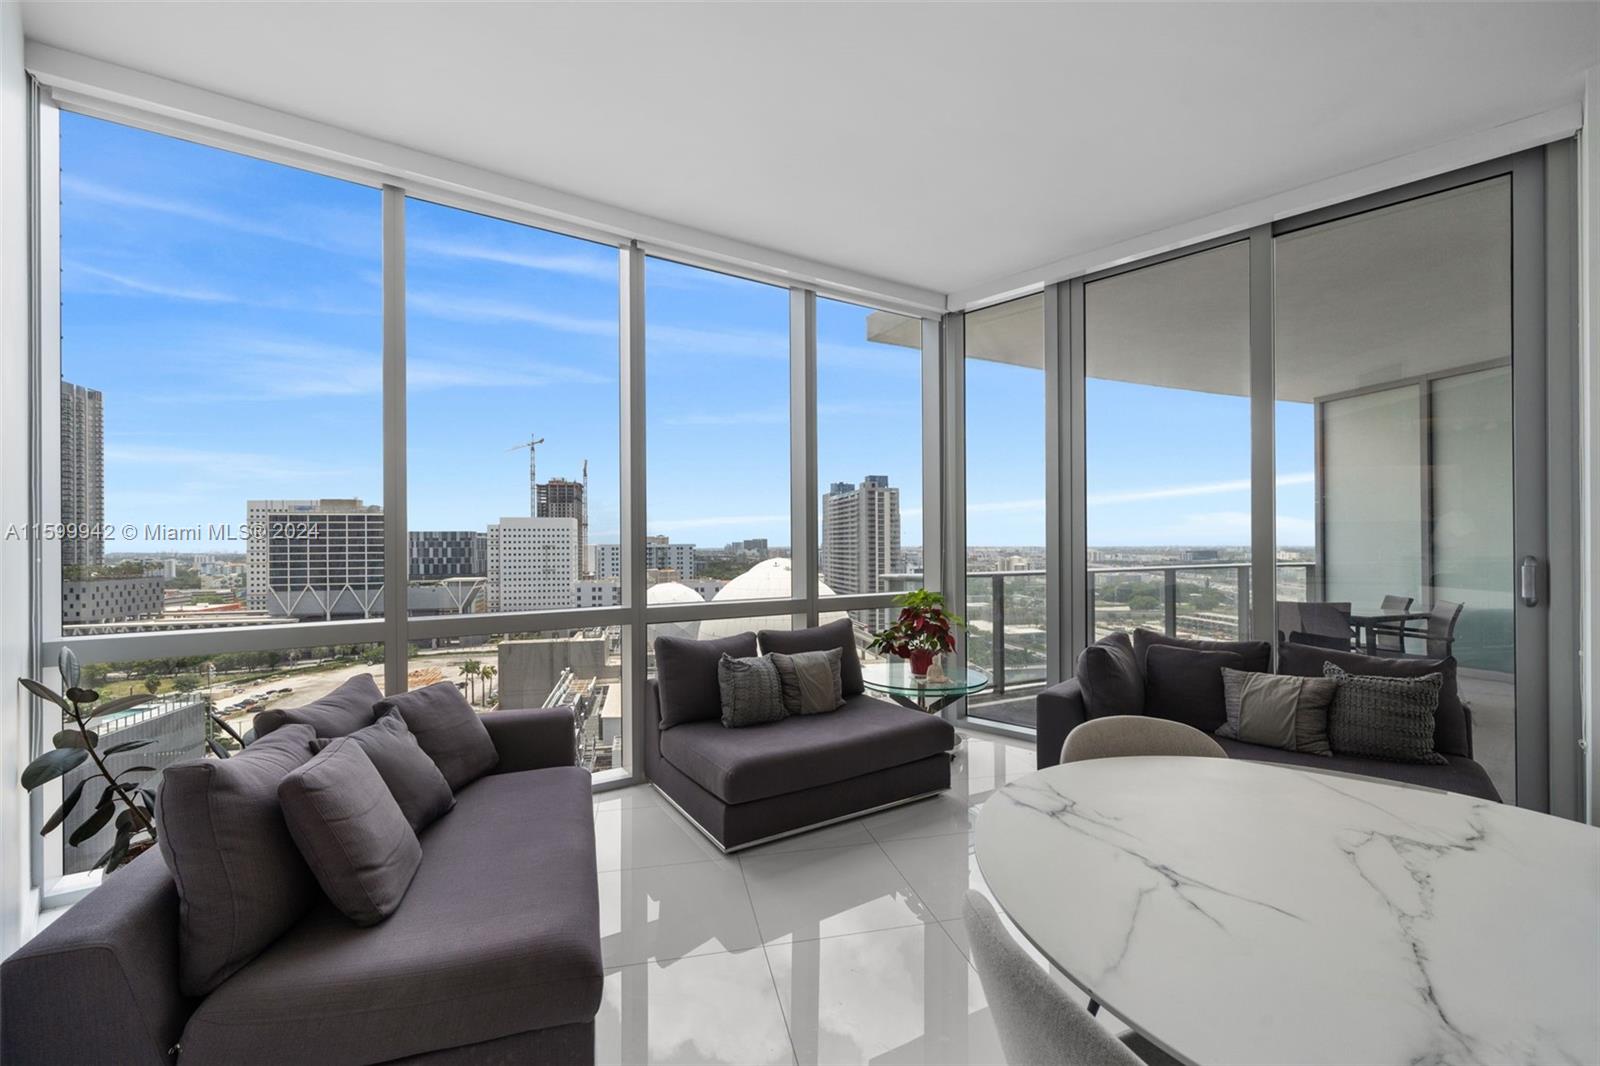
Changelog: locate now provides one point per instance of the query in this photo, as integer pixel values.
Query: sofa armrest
(1466, 711)
(533, 739)
(100, 984)
(1059, 709)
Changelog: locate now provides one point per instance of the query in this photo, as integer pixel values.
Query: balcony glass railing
(1206, 601)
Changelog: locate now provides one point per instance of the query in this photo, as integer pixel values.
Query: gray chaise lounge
(745, 786)
(493, 956)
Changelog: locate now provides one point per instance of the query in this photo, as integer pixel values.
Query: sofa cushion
(1257, 654)
(840, 634)
(752, 692)
(1109, 677)
(499, 934)
(241, 880)
(412, 778)
(448, 730)
(686, 675)
(804, 751)
(339, 713)
(1450, 736)
(352, 833)
(1384, 717)
(812, 682)
(1278, 710)
(1457, 774)
(1185, 685)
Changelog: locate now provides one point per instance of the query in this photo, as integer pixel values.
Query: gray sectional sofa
(745, 786)
(492, 957)
(1064, 706)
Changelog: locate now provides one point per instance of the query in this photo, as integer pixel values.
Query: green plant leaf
(128, 821)
(65, 809)
(45, 693)
(126, 745)
(82, 695)
(91, 825)
(136, 769)
(115, 853)
(67, 663)
(73, 738)
(107, 796)
(121, 703)
(51, 765)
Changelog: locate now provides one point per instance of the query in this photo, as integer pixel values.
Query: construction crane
(532, 445)
(583, 525)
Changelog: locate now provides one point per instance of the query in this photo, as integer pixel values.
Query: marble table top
(1240, 912)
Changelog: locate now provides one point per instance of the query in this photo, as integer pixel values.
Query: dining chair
(1324, 624)
(1037, 1020)
(1437, 632)
(1391, 639)
(1120, 735)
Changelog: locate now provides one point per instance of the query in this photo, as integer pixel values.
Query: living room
(531, 537)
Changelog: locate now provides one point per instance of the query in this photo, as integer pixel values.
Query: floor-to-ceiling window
(1167, 446)
(1006, 588)
(1393, 367)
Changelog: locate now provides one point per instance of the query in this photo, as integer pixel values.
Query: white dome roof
(673, 592)
(768, 580)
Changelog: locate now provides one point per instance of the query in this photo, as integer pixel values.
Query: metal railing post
(998, 591)
(1169, 599)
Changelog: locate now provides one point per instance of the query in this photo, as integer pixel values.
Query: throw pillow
(811, 681)
(840, 634)
(448, 730)
(686, 675)
(241, 881)
(752, 693)
(1185, 685)
(1451, 735)
(414, 779)
(351, 831)
(1257, 654)
(338, 714)
(1384, 717)
(1281, 712)
(1109, 677)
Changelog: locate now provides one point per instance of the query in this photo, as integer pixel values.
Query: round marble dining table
(1241, 912)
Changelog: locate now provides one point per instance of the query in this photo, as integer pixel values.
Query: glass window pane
(221, 409)
(512, 415)
(869, 452)
(717, 381)
(1167, 430)
(200, 707)
(578, 668)
(1393, 340)
(1006, 586)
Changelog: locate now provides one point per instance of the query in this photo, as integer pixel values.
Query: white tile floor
(844, 945)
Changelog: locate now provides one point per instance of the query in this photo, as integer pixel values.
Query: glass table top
(894, 677)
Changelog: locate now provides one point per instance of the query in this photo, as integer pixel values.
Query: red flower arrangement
(923, 630)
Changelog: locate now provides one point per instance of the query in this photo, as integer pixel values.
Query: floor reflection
(839, 946)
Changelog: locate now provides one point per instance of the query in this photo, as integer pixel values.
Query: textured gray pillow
(1281, 712)
(351, 831)
(811, 680)
(241, 881)
(448, 730)
(1384, 717)
(839, 634)
(414, 780)
(338, 714)
(752, 693)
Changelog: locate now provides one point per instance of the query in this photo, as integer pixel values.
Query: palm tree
(470, 669)
(487, 673)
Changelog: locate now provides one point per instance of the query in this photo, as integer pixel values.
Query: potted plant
(122, 800)
(923, 631)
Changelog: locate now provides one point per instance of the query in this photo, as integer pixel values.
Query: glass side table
(928, 695)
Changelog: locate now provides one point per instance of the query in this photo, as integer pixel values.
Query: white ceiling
(936, 145)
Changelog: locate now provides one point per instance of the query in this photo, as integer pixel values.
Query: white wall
(18, 902)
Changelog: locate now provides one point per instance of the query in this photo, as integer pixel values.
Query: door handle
(1529, 581)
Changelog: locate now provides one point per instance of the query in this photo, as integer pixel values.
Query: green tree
(152, 685)
(186, 682)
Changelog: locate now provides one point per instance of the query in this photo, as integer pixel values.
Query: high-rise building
(83, 475)
(314, 558)
(659, 554)
(533, 564)
(560, 498)
(439, 554)
(860, 536)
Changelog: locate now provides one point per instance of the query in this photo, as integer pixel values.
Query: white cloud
(1204, 488)
(476, 309)
(130, 283)
(686, 340)
(596, 266)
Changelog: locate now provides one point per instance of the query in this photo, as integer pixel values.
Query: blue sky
(230, 311)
